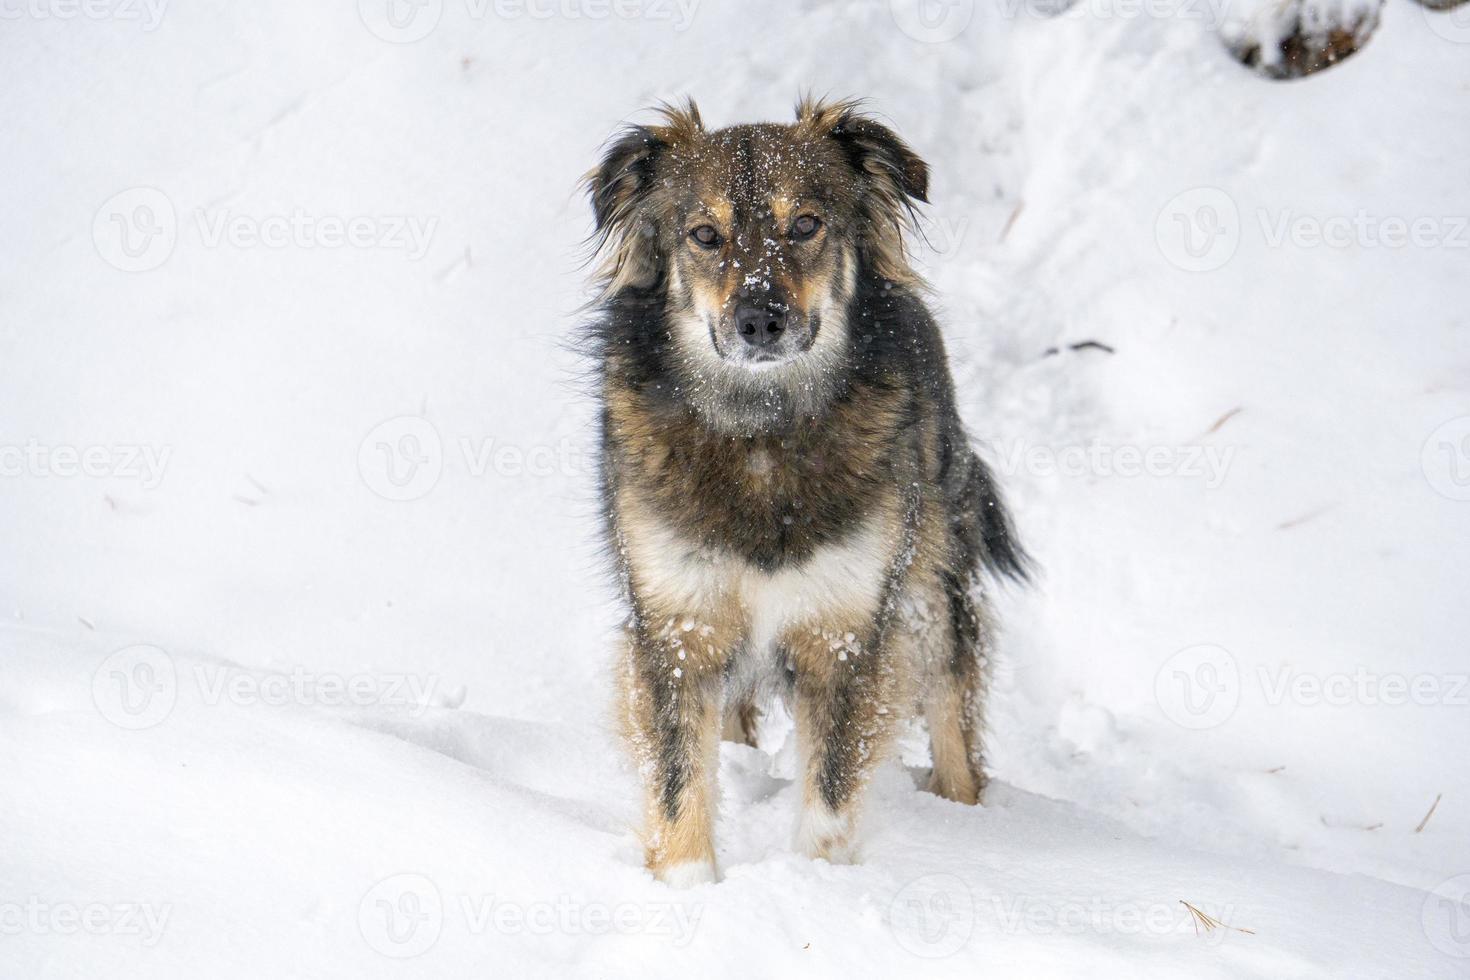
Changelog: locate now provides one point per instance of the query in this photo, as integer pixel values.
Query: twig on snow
(1209, 922)
(1432, 807)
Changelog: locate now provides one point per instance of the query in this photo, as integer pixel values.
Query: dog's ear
(626, 170)
(878, 150)
(871, 147)
(894, 179)
(619, 188)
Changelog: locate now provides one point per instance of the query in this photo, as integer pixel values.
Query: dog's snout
(761, 326)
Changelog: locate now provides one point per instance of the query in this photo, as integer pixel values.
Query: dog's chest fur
(774, 500)
(761, 532)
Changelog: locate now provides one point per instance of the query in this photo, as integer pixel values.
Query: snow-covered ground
(305, 669)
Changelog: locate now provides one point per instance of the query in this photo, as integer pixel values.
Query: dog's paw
(827, 835)
(962, 790)
(837, 852)
(687, 874)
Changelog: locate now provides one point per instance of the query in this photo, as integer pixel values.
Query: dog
(790, 499)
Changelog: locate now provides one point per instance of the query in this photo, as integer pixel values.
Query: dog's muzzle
(760, 326)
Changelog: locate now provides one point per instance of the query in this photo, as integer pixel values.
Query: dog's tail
(990, 533)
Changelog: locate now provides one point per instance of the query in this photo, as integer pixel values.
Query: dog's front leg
(844, 716)
(674, 700)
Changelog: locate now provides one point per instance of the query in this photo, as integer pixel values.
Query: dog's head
(755, 238)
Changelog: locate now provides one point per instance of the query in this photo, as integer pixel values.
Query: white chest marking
(847, 577)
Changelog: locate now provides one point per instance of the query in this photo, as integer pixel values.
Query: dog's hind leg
(742, 719)
(954, 706)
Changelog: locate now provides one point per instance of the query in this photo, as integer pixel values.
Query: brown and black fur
(805, 518)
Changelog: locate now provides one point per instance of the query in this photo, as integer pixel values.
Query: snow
(307, 667)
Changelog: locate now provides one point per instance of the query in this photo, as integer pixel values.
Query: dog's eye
(705, 236)
(805, 227)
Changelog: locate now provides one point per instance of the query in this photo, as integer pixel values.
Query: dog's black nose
(761, 326)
